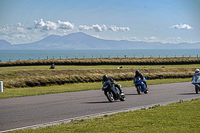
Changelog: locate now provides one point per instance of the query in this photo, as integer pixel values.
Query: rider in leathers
(196, 74)
(138, 74)
(110, 82)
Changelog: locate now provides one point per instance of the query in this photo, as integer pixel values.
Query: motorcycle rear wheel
(110, 96)
(146, 91)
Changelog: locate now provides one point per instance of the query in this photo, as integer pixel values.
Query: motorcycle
(140, 86)
(112, 91)
(196, 83)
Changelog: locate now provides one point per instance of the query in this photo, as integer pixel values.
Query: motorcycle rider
(110, 82)
(196, 74)
(138, 74)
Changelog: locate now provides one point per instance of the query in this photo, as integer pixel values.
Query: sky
(166, 21)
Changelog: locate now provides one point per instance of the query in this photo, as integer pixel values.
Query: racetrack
(26, 111)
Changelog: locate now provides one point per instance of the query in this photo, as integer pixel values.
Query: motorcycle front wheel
(138, 90)
(109, 96)
(122, 98)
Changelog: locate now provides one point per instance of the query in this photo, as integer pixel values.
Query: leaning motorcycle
(196, 83)
(112, 92)
(140, 86)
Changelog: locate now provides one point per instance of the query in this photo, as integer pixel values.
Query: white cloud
(48, 25)
(19, 25)
(65, 25)
(181, 27)
(115, 28)
(96, 27)
(151, 39)
(104, 28)
(12, 29)
(20, 33)
(39, 24)
(131, 38)
(134, 39)
(174, 40)
(85, 27)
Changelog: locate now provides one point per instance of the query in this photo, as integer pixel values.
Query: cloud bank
(48, 25)
(98, 28)
(152, 39)
(181, 27)
(115, 28)
(20, 33)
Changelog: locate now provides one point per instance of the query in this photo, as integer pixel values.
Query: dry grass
(23, 76)
(107, 61)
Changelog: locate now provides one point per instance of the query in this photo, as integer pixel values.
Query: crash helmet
(137, 72)
(197, 71)
(105, 77)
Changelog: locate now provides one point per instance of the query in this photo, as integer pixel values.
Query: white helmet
(197, 71)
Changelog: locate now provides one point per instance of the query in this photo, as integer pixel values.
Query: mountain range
(81, 40)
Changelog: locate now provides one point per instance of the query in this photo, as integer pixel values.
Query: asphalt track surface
(32, 110)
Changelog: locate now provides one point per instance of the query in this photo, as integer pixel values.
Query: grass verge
(180, 117)
(29, 76)
(30, 91)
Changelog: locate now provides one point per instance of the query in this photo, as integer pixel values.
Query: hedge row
(107, 61)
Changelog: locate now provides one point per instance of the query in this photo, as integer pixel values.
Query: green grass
(176, 117)
(30, 91)
(23, 76)
(17, 78)
(77, 67)
(180, 117)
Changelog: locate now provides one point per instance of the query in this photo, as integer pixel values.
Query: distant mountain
(81, 40)
(4, 45)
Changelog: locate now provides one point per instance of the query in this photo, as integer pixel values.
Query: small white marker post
(1, 86)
